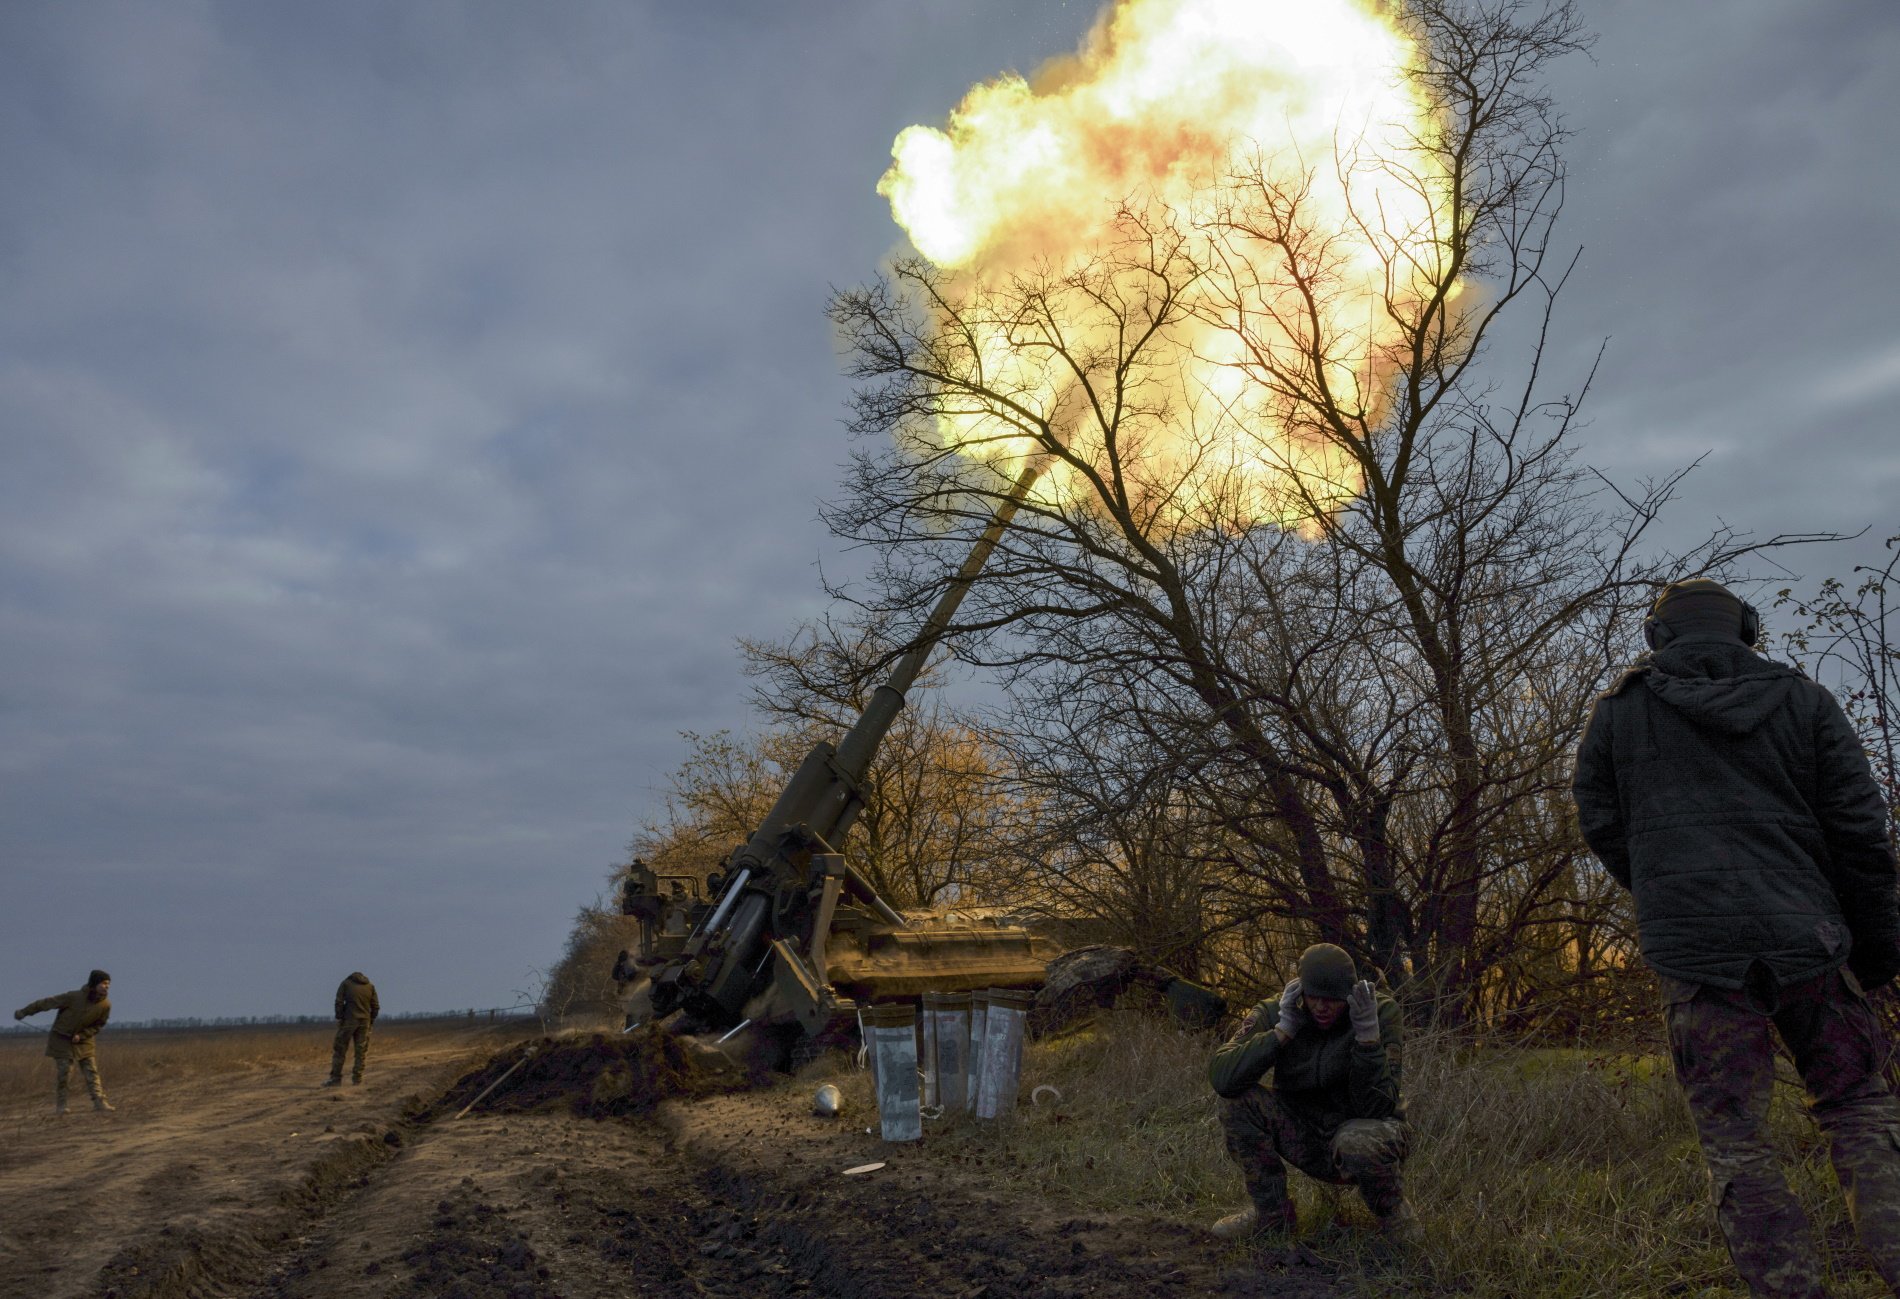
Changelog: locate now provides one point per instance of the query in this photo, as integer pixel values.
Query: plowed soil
(599, 1167)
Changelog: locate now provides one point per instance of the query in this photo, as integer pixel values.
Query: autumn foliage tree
(928, 834)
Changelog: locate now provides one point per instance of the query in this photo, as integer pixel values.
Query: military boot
(332, 1082)
(59, 1107)
(1402, 1227)
(1257, 1219)
(102, 1105)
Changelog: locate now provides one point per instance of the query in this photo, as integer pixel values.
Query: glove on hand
(1874, 963)
(1293, 1016)
(1363, 1005)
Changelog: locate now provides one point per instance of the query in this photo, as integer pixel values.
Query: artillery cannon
(791, 934)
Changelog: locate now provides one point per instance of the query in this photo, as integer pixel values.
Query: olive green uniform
(1333, 1111)
(356, 1010)
(70, 1041)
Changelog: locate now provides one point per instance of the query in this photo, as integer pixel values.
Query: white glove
(1293, 1016)
(1363, 1004)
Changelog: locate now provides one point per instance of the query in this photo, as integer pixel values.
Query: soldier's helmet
(1326, 971)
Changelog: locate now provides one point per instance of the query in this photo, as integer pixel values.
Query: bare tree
(1845, 639)
(1371, 698)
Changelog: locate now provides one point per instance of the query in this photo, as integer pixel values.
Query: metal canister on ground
(973, 1064)
(947, 1050)
(1002, 1062)
(892, 1034)
(926, 1057)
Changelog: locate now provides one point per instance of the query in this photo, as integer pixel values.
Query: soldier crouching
(1333, 1044)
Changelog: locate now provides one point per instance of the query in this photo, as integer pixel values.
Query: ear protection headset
(1657, 633)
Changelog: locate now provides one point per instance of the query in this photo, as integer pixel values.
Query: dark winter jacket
(356, 1001)
(1731, 796)
(1321, 1076)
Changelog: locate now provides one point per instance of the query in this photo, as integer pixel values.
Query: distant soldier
(82, 1013)
(356, 1009)
(1731, 796)
(1333, 1045)
(640, 898)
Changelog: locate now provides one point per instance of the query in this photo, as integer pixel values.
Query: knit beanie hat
(1699, 607)
(1326, 971)
(96, 978)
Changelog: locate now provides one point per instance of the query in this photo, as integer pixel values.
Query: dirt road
(266, 1186)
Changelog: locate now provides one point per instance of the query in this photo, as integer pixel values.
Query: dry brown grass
(1560, 1174)
(134, 1055)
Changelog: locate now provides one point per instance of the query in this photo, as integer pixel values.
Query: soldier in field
(356, 1010)
(1731, 796)
(82, 1013)
(1333, 1045)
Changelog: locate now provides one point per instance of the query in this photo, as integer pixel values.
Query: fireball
(1275, 152)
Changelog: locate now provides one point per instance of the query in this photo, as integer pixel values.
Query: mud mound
(473, 1252)
(600, 1076)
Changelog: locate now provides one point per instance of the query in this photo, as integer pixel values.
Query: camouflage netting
(599, 1076)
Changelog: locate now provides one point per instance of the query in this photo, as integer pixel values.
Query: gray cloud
(404, 408)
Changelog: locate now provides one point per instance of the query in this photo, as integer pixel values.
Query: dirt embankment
(276, 1189)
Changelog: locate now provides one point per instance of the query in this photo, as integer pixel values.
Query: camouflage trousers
(349, 1032)
(1724, 1055)
(88, 1070)
(1264, 1136)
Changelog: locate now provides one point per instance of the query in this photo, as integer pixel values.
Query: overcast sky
(405, 408)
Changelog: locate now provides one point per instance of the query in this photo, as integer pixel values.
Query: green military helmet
(1326, 971)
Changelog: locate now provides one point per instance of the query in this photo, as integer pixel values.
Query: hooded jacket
(1730, 794)
(356, 1000)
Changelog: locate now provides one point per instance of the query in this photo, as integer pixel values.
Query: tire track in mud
(857, 1240)
(711, 1198)
(552, 1206)
(197, 1262)
(630, 1213)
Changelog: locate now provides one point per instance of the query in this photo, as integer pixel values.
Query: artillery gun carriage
(787, 936)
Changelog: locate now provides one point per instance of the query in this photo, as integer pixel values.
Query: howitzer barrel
(819, 803)
(859, 746)
(823, 793)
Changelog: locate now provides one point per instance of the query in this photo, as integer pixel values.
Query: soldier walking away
(356, 1009)
(1730, 795)
(1333, 1045)
(82, 1013)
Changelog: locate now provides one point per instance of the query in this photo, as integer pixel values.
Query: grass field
(1556, 1173)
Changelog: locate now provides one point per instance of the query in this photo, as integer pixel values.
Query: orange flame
(1168, 101)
